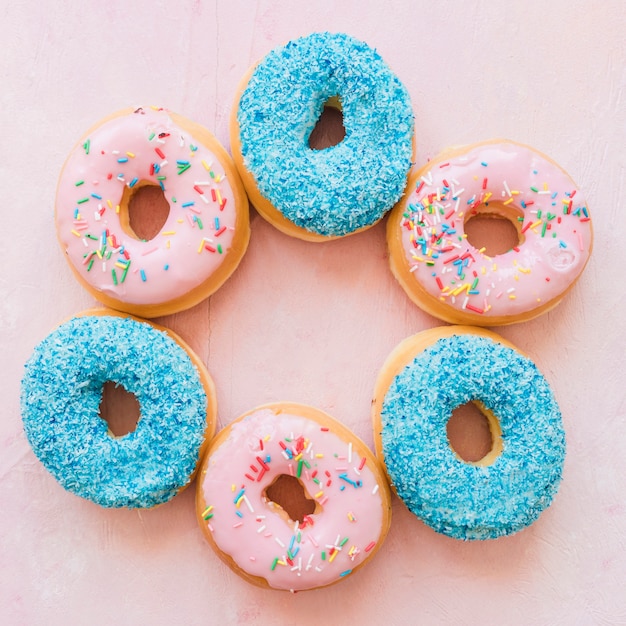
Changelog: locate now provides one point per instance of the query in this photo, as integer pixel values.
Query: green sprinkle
(86, 146)
(539, 214)
(343, 543)
(274, 563)
(219, 248)
(199, 221)
(151, 136)
(534, 189)
(323, 555)
(83, 201)
(92, 237)
(79, 183)
(90, 265)
(114, 275)
(543, 228)
(183, 168)
(299, 471)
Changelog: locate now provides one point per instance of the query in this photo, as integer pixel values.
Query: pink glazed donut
(248, 512)
(450, 278)
(203, 238)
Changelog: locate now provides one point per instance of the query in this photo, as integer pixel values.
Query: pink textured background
(313, 323)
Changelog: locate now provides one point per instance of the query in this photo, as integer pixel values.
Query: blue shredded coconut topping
(61, 395)
(336, 190)
(459, 499)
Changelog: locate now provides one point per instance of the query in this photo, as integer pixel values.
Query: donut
(423, 380)
(61, 394)
(205, 232)
(322, 194)
(341, 518)
(447, 276)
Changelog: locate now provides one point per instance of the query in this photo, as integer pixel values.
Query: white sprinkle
(279, 542)
(245, 499)
(508, 191)
(375, 489)
(308, 565)
(261, 528)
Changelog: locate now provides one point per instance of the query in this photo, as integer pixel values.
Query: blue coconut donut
(424, 379)
(322, 194)
(61, 393)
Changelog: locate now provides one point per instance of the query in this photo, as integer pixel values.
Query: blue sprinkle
(166, 267)
(188, 204)
(133, 182)
(143, 275)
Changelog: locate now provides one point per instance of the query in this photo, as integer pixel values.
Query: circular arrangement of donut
(287, 496)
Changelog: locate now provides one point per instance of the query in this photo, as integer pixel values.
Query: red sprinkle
(363, 460)
(159, 152)
(369, 546)
(199, 189)
(473, 308)
(220, 231)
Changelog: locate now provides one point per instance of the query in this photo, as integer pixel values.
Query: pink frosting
(329, 543)
(556, 230)
(144, 146)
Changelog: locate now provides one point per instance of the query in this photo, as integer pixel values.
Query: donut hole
(329, 129)
(119, 409)
(474, 434)
(144, 210)
(290, 495)
(494, 228)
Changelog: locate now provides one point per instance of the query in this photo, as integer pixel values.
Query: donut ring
(350, 510)
(204, 235)
(61, 394)
(447, 276)
(424, 379)
(319, 195)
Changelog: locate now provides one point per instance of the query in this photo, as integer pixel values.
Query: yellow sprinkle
(511, 296)
(487, 196)
(524, 270)
(508, 201)
(516, 276)
(121, 265)
(535, 224)
(75, 232)
(207, 510)
(169, 232)
(201, 246)
(545, 186)
(494, 267)
(239, 502)
(207, 167)
(281, 562)
(515, 192)
(333, 555)
(117, 208)
(110, 204)
(219, 196)
(318, 494)
(131, 155)
(319, 455)
(233, 487)
(168, 243)
(483, 270)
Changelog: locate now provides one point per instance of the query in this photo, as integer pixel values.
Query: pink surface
(313, 323)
